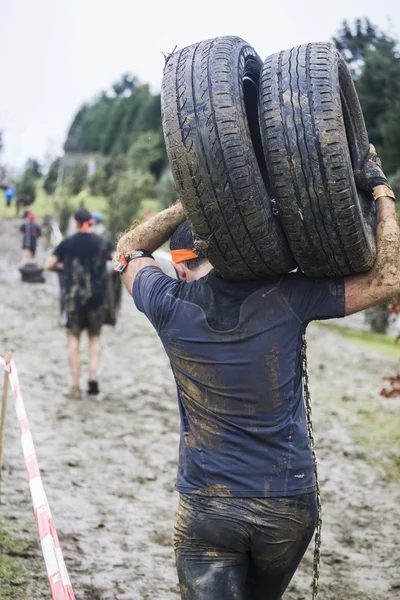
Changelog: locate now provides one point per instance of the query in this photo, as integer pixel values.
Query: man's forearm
(153, 233)
(384, 277)
(382, 283)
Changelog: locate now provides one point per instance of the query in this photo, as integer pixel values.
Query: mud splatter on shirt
(84, 278)
(234, 349)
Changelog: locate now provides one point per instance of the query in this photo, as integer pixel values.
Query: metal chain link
(307, 398)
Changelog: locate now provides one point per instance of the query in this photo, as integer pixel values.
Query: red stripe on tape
(46, 525)
(70, 593)
(42, 520)
(57, 587)
(32, 467)
(23, 426)
(59, 591)
(53, 533)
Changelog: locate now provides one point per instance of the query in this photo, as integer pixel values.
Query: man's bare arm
(382, 283)
(52, 264)
(149, 236)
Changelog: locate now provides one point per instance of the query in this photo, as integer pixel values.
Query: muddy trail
(109, 465)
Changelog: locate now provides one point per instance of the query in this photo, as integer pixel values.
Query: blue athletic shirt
(235, 351)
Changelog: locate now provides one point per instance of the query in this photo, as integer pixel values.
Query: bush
(50, 181)
(26, 186)
(394, 181)
(98, 183)
(76, 178)
(165, 190)
(126, 193)
(378, 318)
(147, 152)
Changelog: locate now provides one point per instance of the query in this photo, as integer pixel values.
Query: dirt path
(109, 466)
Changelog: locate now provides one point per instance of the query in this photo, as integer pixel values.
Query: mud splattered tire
(206, 90)
(314, 135)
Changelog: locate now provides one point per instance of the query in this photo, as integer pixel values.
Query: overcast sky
(56, 55)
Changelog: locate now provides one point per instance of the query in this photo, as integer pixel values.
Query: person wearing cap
(247, 507)
(83, 258)
(31, 232)
(97, 225)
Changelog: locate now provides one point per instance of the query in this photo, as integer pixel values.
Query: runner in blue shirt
(247, 507)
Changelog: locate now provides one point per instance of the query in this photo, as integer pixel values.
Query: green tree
(353, 41)
(76, 178)
(98, 183)
(378, 87)
(390, 131)
(27, 185)
(165, 190)
(147, 152)
(114, 120)
(33, 166)
(128, 190)
(375, 63)
(374, 60)
(50, 181)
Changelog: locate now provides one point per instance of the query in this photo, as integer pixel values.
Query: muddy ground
(108, 466)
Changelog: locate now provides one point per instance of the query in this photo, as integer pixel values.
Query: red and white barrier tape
(60, 584)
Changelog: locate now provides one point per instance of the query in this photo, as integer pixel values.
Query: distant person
(21, 201)
(31, 232)
(9, 194)
(83, 258)
(97, 225)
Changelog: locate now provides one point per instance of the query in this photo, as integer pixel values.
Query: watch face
(118, 266)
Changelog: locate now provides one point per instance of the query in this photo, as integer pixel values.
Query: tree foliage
(26, 185)
(354, 41)
(374, 59)
(123, 125)
(33, 168)
(50, 180)
(115, 119)
(127, 191)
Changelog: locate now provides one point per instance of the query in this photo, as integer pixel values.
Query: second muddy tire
(209, 111)
(314, 135)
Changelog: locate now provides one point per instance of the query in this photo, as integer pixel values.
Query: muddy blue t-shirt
(235, 351)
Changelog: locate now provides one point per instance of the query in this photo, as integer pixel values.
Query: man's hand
(371, 175)
(52, 264)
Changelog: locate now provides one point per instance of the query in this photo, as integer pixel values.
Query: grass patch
(379, 432)
(11, 569)
(374, 341)
(44, 204)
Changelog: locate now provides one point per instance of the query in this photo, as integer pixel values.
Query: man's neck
(203, 270)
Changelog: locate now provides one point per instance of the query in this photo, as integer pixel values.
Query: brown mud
(109, 466)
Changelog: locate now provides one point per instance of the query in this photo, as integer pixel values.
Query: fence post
(4, 412)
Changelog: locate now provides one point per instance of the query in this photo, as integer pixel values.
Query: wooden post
(4, 412)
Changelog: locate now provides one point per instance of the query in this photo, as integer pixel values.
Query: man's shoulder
(97, 241)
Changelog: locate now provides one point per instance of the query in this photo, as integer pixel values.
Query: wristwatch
(120, 263)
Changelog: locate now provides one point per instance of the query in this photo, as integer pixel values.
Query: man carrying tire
(31, 232)
(83, 258)
(247, 508)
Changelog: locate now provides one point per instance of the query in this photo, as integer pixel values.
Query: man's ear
(180, 271)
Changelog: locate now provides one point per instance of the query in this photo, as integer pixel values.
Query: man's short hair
(182, 239)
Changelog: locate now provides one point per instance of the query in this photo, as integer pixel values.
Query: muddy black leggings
(241, 548)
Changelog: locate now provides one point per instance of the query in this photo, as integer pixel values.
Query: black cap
(82, 215)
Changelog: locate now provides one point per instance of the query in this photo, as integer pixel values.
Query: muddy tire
(314, 135)
(31, 273)
(217, 166)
